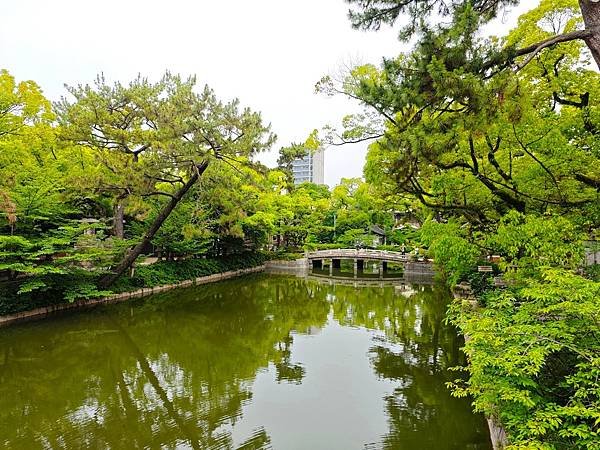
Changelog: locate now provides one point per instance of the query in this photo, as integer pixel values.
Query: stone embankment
(297, 264)
(420, 267)
(121, 297)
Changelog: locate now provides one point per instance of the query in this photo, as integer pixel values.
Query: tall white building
(310, 168)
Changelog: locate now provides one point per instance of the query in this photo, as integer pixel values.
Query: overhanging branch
(534, 49)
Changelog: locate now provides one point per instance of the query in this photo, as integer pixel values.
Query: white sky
(268, 53)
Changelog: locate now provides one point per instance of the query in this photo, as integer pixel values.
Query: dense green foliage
(83, 183)
(114, 171)
(533, 346)
(449, 247)
(469, 144)
(535, 360)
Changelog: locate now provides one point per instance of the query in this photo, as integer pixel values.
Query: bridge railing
(351, 253)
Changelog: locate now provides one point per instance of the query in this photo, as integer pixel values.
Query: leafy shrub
(23, 295)
(534, 357)
(169, 272)
(285, 255)
(529, 243)
(355, 237)
(593, 272)
(481, 283)
(452, 252)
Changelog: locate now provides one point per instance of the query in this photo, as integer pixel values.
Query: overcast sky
(267, 53)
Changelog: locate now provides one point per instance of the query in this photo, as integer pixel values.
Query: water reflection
(371, 270)
(259, 362)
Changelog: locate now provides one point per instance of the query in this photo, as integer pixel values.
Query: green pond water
(263, 361)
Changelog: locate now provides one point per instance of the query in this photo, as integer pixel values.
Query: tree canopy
(474, 143)
(422, 16)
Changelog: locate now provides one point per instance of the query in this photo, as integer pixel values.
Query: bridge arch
(364, 254)
(359, 256)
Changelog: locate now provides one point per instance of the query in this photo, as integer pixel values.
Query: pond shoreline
(47, 311)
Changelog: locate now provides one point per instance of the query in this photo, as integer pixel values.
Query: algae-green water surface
(263, 361)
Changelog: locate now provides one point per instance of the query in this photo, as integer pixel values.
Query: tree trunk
(118, 216)
(187, 429)
(133, 253)
(590, 10)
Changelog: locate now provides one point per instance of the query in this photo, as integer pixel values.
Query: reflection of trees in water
(415, 322)
(417, 351)
(175, 369)
(286, 370)
(421, 412)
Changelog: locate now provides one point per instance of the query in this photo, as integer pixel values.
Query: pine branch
(534, 49)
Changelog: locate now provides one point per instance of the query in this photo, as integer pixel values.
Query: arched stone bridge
(364, 254)
(359, 256)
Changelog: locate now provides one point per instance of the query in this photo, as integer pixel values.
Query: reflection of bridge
(359, 256)
(403, 281)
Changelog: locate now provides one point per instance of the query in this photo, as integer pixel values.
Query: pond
(263, 361)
